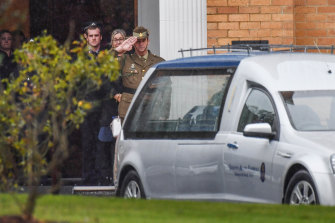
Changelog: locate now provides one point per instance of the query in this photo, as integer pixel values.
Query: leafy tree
(43, 105)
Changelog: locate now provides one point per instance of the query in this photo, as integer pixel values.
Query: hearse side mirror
(116, 126)
(261, 130)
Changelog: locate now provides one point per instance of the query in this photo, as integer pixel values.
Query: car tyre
(301, 190)
(131, 186)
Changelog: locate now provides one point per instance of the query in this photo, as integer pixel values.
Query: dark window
(56, 15)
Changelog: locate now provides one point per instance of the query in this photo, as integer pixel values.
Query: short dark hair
(19, 33)
(5, 31)
(92, 25)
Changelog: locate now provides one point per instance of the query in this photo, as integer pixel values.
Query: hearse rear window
(179, 104)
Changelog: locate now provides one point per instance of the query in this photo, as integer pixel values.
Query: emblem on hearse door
(263, 172)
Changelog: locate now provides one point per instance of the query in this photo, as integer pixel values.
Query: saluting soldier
(134, 66)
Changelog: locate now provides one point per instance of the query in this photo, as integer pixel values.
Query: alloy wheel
(303, 193)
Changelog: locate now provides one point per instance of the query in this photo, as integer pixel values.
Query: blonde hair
(116, 31)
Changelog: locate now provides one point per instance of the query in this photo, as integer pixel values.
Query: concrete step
(94, 190)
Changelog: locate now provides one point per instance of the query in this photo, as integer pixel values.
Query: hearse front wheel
(301, 190)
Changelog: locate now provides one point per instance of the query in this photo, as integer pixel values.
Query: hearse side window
(179, 104)
(257, 109)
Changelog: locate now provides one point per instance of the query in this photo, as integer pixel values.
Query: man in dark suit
(97, 140)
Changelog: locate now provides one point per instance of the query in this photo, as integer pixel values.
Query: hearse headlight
(332, 162)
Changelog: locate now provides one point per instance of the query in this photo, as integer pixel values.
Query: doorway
(55, 15)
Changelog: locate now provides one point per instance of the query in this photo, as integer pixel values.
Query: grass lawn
(86, 209)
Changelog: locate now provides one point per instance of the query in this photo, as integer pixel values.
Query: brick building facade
(301, 22)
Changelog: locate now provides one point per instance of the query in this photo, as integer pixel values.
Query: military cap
(92, 25)
(140, 32)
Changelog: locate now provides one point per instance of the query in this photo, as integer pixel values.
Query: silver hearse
(232, 127)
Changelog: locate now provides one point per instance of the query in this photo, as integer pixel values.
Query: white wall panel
(148, 16)
(174, 25)
(183, 25)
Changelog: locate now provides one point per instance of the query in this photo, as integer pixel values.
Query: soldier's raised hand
(127, 45)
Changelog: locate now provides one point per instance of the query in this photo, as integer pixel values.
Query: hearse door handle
(232, 145)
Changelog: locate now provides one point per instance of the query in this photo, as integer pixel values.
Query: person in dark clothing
(106, 142)
(97, 140)
(8, 68)
(18, 39)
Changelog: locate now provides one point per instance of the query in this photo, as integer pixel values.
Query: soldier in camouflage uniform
(134, 66)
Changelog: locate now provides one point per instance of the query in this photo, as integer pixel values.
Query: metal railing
(249, 48)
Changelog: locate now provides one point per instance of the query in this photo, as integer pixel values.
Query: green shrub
(42, 106)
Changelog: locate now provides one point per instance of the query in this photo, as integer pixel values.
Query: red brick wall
(315, 22)
(15, 15)
(279, 21)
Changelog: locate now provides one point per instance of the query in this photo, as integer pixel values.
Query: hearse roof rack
(249, 48)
